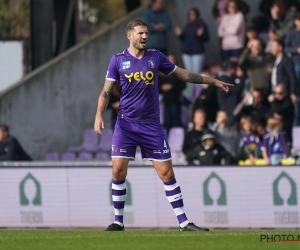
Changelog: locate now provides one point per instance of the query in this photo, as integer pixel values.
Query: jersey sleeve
(165, 65)
(112, 71)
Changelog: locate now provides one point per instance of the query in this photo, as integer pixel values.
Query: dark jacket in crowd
(172, 96)
(191, 140)
(256, 114)
(283, 25)
(266, 5)
(228, 101)
(286, 75)
(203, 155)
(157, 39)
(284, 108)
(257, 68)
(191, 43)
(209, 102)
(11, 150)
(292, 43)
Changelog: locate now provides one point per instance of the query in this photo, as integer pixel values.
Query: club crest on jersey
(151, 64)
(126, 65)
(138, 76)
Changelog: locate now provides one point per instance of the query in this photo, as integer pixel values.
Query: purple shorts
(150, 137)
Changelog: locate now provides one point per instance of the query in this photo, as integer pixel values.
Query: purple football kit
(138, 122)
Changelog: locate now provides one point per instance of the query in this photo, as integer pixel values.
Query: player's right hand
(98, 125)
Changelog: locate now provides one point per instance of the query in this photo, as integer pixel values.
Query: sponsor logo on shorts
(166, 150)
(156, 151)
(120, 150)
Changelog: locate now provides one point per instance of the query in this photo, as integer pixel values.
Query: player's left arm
(189, 76)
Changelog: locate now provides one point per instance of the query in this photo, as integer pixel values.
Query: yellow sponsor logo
(138, 76)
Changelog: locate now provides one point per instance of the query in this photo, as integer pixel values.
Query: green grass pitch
(142, 239)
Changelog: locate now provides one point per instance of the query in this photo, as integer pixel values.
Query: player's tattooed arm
(188, 76)
(105, 96)
(102, 104)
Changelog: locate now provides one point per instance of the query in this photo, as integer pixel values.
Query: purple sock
(119, 197)
(174, 196)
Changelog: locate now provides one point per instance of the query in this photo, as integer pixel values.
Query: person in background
(292, 46)
(259, 129)
(226, 136)
(209, 152)
(207, 101)
(232, 31)
(282, 20)
(171, 89)
(251, 34)
(249, 142)
(218, 9)
(283, 71)
(282, 108)
(258, 108)
(193, 37)
(233, 75)
(10, 148)
(276, 144)
(193, 136)
(272, 37)
(159, 24)
(256, 62)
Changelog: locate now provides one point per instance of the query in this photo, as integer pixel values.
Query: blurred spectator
(219, 6)
(159, 24)
(249, 142)
(171, 88)
(10, 148)
(259, 129)
(208, 101)
(232, 31)
(193, 37)
(282, 108)
(251, 34)
(218, 10)
(283, 71)
(209, 152)
(227, 136)
(257, 110)
(292, 46)
(114, 103)
(266, 5)
(272, 37)
(282, 20)
(228, 101)
(256, 62)
(276, 144)
(193, 136)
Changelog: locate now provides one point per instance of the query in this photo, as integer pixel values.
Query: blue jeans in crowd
(194, 63)
(227, 54)
(276, 158)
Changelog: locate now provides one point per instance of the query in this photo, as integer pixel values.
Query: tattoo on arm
(195, 78)
(174, 74)
(107, 89)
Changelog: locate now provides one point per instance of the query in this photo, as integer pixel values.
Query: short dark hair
(280, 42)
(297, 16)
(132, 24)
(4, 128)
(199, 110)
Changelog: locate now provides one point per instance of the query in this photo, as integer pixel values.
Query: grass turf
(142, 239)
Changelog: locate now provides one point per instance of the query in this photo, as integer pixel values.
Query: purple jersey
(251, 141)
(138, 80)
(275, 143)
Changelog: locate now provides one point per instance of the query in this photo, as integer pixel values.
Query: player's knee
(167, 175)
(119, 172)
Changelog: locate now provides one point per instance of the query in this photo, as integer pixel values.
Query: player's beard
(138, 46)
